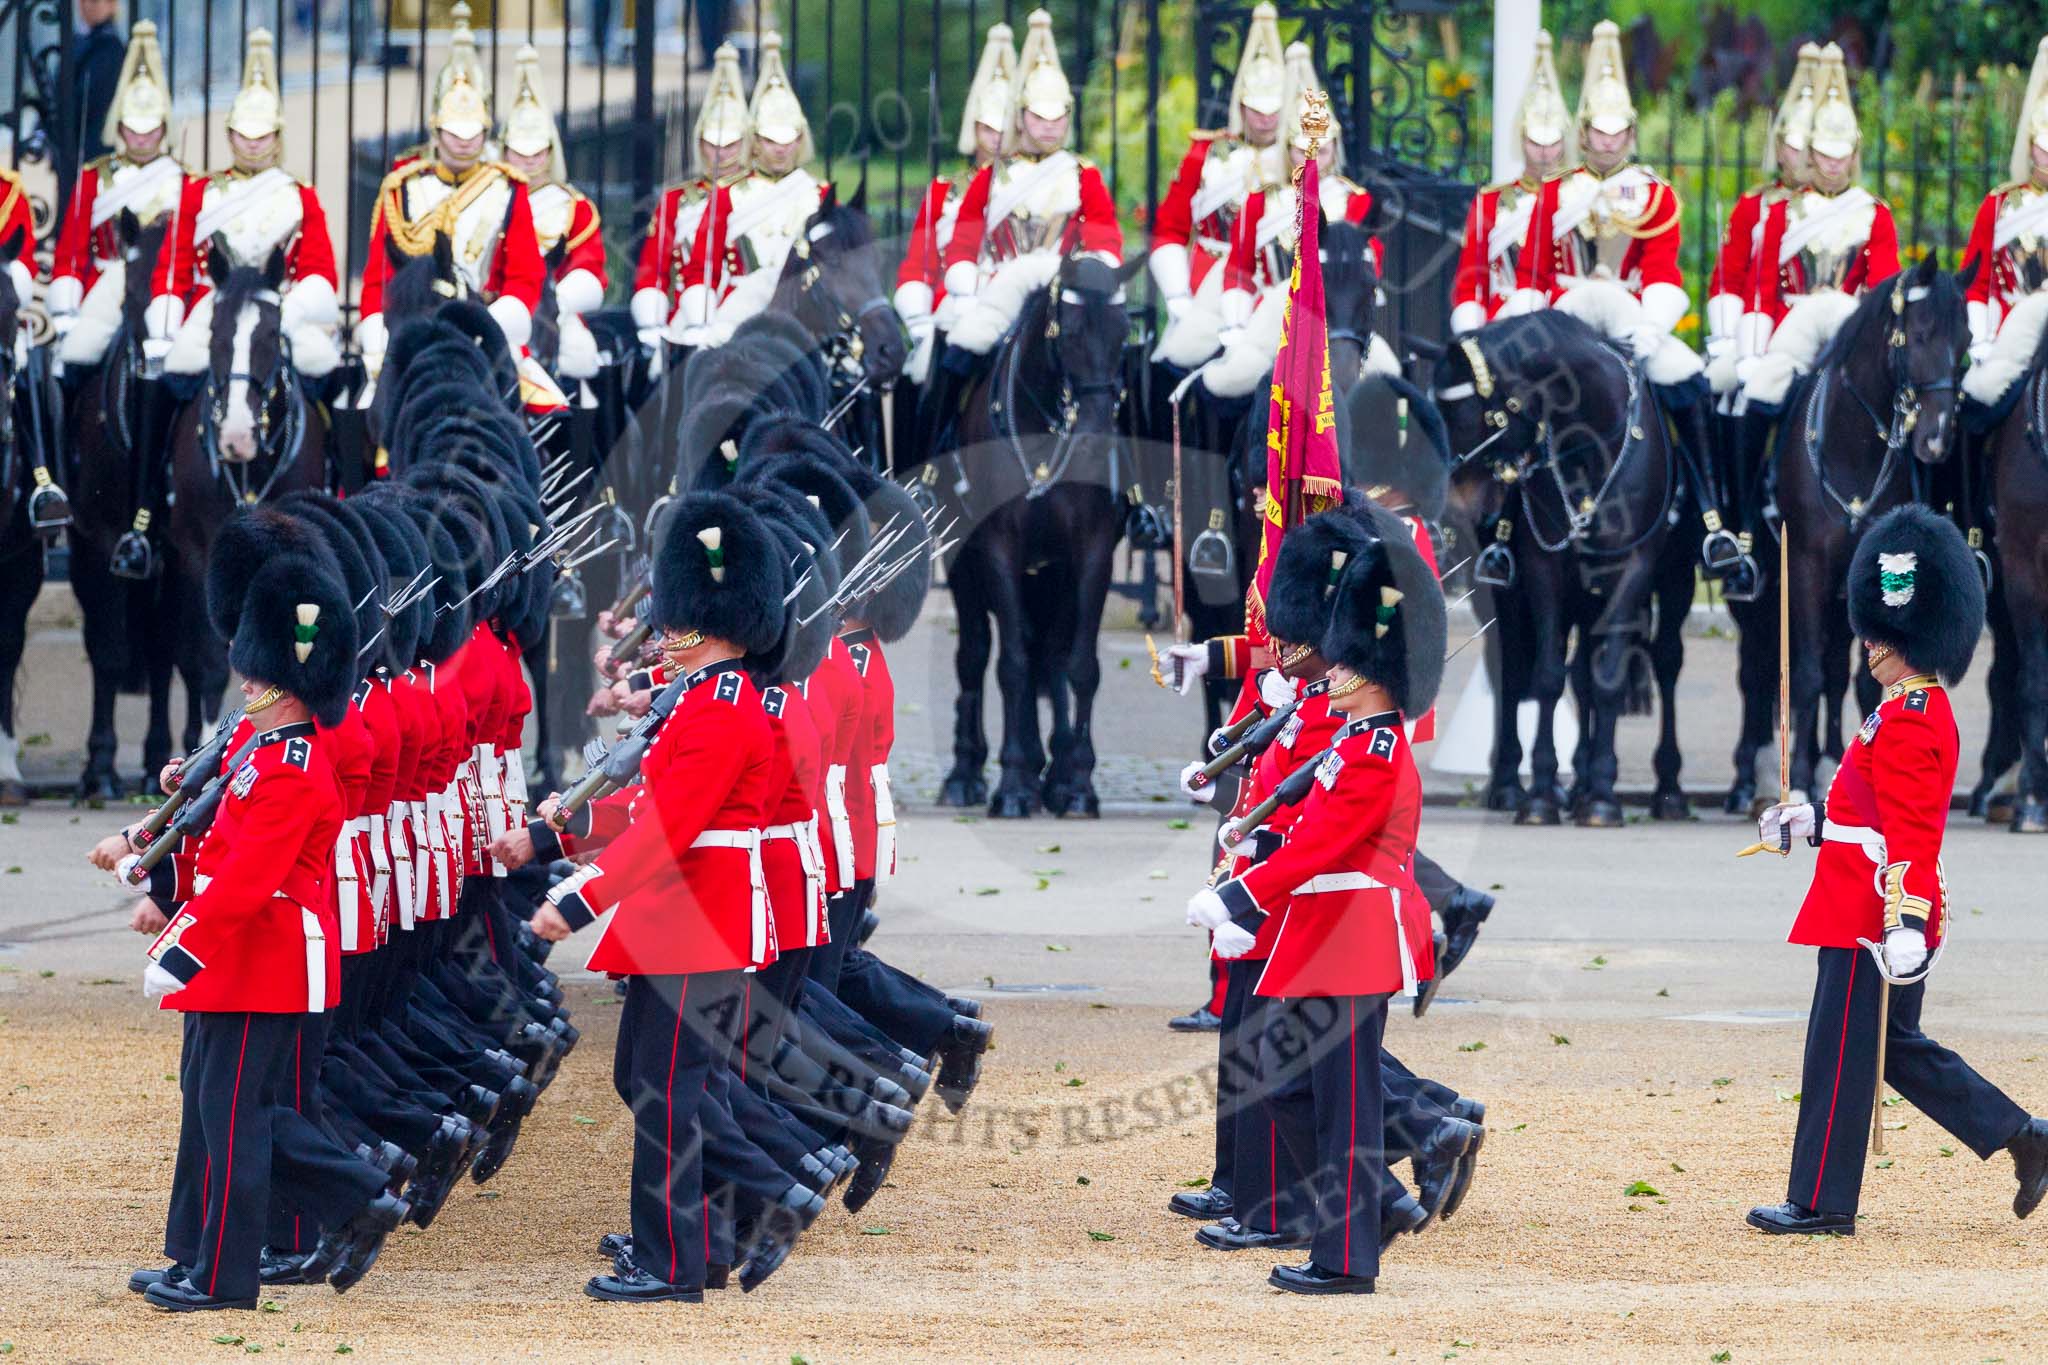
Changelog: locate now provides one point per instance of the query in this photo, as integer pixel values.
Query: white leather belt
(1411, 981)
(1337, 881)
(885, 825)
(750, 840)
(1869, 840)
(316, 958)
(348, 886)
(842, 823)
(399, 828)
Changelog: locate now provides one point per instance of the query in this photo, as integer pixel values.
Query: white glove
(125, 866)
(1905, 951)
(1177, 308)
(1980, 351)
(1190, 666)
(160, 318)
(1645, 341)
(1219, 740)
(1772, 825)
(1204, 793)
(1232, 941)
(1719, 346)
(694, 337)
(1746, 368)
(156, 981)
(1206, 910)
(1275, 689)
(64, 295)
(514, 319)
(650, 338)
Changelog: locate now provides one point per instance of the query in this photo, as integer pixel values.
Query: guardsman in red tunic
(921, 279)
(1784, 175)
(1191, 231)
(140, 177)
(2007, 256)
(249, 210)
(1354, 927)
(1027, 210)
(1498, 221)
(749, 227)
(481, 205)
(1817, 250)
(255, 951)
(1879, 904)
(719, 160)
(682, 878)
(565, 221)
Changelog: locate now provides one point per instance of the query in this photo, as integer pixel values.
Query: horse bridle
(280, 442)
(843, 344)
(1906, 396)
(1059, 422)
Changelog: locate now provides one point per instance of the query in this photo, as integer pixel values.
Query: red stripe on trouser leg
(669, 1144)
(1841, 1052)
(227, 1183)
(1351, 1157)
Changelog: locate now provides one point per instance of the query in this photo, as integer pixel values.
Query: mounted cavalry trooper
(463, 61)
(921, 279)
(747, 230)
(1819, 249)
(718, 159)
(1191, 231)
(1603, 246)
(1254, 299)
(140, 177)
(240, 216)
(565, 221)
(1784, 167)
(1878, 908)
(2008, 251)
(481, 206)
(1498, 220)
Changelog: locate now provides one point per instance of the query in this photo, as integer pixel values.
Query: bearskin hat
(835, 498)
(476, 522)
(1387, 620)
(1398, 442)
(297, 630)
(444, 625)
(405, 553)
(1913, 585)
(249, 539)
(719, 570)
(362, 568)
(816, 576)
(892, 610)
(1313, 557)
(701, 436)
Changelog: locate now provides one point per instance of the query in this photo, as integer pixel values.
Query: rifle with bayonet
(1252, 736)
(1292, 791)
(620, 764)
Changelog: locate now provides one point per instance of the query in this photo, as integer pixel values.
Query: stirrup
(1720, 552)
(1495, 567)
(134, 557)
(1148, 528)
(49, 510)
(1744, 582)
(1212, 555)
(567, 600)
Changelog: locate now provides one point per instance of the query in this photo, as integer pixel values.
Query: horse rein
(1059, 424)
(281, 442)
(1895, 433)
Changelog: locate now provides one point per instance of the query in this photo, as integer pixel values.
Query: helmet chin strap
(264, 702)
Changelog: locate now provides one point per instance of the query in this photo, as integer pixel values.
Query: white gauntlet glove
(1206, 910)
(156, 981)
(1190, 665)
(1204, 793)
(1905, 951)
(1231, 942)
(1782, 823)
(1275, 690)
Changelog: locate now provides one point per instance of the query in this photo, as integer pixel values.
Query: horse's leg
(103, 609)
(1579, 675)
(1610, 644)
(2030, 628)
(1017, 789)
(2002, 745)
(1548, 674)
(1667, 658)
(1811, 597)
(21, 578)
(964, 786)
(548, 776)
(1835, 672)
(1084, 664)
(1511, 612)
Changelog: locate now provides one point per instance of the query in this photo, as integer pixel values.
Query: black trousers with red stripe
(1270, 1191)
(671, 1031)
(231, 1074)
(1320, 1058)
(318, 1181)
(1237, 1067)
(1838, 1084)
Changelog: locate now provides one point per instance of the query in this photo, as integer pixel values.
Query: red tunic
(1252, 268)
(82, 245)
(1881, 830)
(925, 251)
(183, 270)
(835, 692)
(1304, 737)
(1739, 242)
(1174, 223)
(17, 221)
(678, 879)
(349, 749)
(789, 855)
(1345, 875)
(1774, 283)
(259, 935)
(381, 716)
(867, 774)
(1092, 228)
(516, 267)
(1650, 258)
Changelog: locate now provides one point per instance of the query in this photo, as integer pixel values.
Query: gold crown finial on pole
(1315, 124)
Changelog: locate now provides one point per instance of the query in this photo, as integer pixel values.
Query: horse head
(1351, 282)
(139, 247)
(1086, 329)
(248, 372)
(546, 341)
(1930, 326)
(419, 284)
(835, 272)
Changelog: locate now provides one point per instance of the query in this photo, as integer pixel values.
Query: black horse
(1032, 481)
(1575, 524)
(21, 549)
(250, 432)
(1881, 402)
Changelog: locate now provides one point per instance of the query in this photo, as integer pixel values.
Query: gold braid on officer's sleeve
(1900, 909)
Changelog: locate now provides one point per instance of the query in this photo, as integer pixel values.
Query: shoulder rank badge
(860, 658)
(1382, 743)
(297, 752)
(1916, 700)
(245, 778)
(773, 700)
(728, 688)
(1869, 730)
(362, 693)
(1327, 770)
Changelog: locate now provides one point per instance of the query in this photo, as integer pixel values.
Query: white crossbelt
(842, 822)
(421, 848)
(380, 870)
(399, 827)
(885, 825)
(348, 886)
(750, 840)
(229, 206)
(1009, 196)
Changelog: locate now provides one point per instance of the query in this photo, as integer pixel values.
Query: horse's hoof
(13, 793)
(962, 790)
(2031, 817)
(1670, 805)
(1999, 810)
(1980, 805)
(1081, 803)
(1738, 799)
(1506, 796)
(97, 788)
(1599, 812)
(1058, 798)
(1011, 804)
(1539, 810)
